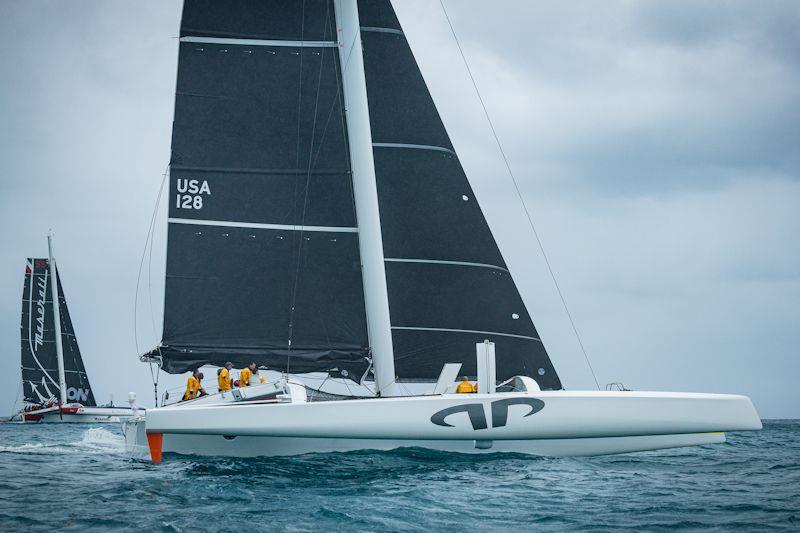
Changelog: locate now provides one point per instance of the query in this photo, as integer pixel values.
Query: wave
(93, 440)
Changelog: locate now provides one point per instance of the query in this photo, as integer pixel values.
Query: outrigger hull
(557, 423)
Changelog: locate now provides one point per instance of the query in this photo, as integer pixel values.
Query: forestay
(38, 342)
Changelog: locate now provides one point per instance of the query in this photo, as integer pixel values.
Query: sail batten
(258, 42)
(478, 332)
(254, 225)
(443, 262)
(415, 147)
(382, 30)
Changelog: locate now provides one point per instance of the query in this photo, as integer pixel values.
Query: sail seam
(451, 330)
(443, 262)
(259, 42)
(266, 171)
(257, 225)
(415, 147)
(382, 30)
(66, 371)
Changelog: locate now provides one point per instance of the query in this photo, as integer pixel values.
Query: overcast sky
(656, 144)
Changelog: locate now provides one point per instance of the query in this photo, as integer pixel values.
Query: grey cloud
(620, 101)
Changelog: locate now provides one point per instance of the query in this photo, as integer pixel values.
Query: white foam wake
(103, 440)
(93, 440)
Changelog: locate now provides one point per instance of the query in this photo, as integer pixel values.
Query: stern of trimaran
(320, 221)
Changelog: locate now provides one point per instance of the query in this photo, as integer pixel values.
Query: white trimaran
(55, 387)
(320, 221)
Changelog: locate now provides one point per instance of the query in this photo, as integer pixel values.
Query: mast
(365, 193)
(62, 382)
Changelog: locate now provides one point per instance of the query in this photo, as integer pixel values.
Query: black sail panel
(77, 382)
(229, 295)
(257, 19)
(442, 224)
(37, 335)
(262, 256)
(38, 342)
(448, 285)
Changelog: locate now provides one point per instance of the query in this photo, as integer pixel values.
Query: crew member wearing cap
(194, 386)
(224, 377)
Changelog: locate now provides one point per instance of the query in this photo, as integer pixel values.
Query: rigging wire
(17, 398)
(154, 375)
(311, 161)
(150, 255)
(148, 245)
(297, 169)
(519, 193)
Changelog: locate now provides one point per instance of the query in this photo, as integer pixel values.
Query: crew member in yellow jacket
(194, 386)
(246, 375)
(224, 377)
(466, 387)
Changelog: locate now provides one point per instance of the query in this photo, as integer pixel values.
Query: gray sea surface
(79, 478)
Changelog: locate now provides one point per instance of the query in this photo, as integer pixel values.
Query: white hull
(75, 415)
(553, 423)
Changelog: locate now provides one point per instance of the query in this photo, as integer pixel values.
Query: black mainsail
(38, 342)
(447, 282)
(263, 257)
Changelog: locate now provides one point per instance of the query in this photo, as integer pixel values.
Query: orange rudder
(156, 443)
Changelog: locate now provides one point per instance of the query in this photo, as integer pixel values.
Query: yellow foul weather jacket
(224, 379)
(464, 386)
(244, 377)
(192, 388)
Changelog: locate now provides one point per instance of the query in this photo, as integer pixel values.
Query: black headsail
(447, 282)
(38, 342)
(262, 254)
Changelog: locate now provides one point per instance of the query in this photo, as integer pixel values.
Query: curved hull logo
(477, 415)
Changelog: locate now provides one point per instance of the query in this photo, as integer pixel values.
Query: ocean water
(79, 478)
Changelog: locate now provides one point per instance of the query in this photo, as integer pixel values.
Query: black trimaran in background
(320, 220)
(55, 387)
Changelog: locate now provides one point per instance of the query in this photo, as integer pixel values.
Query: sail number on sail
(190, 193)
